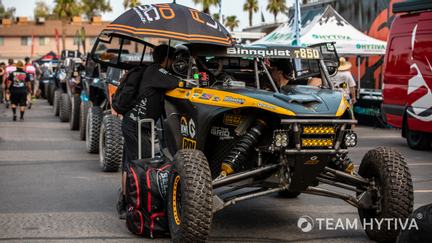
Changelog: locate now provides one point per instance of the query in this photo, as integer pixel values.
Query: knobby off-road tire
(45, 91)
(110, 144)
(393, 179)
(84, 106)
(94, 120)
(56, 101)
(65, 108)
(75, 112)
(51, 90)
(190, 197)
(417, 140)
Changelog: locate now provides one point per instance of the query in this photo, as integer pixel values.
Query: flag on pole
(32, 46)
(83, 39)
(57, 39)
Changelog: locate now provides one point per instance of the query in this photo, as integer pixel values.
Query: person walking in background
(2, 78)
(9, 69)
(18, 86)
(31, 71)
(344, 81)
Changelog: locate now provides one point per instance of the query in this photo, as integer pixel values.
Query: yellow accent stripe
(220, 98)
(342, 106)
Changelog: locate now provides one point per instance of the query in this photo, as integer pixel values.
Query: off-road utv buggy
(66, 98)
(46, 78)
(103, 124)
(236, 135)
(57, 86)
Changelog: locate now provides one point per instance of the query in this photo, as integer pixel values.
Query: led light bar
(317, 142)
(314, 130)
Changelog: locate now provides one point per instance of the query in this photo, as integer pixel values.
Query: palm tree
(131, 3)
(232, 22)
(6, 13)
(64, 10)
(275, 7)
(95, 7)
(41, 9)
(252, 7)
(206, 4)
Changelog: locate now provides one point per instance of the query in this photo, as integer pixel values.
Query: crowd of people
(19, 84)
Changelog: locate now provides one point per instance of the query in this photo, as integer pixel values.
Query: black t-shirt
(154, 83)
(19, 80)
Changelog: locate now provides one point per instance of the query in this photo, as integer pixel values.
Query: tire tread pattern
(391, 168)
(111, 129)
(65, 108)
(94, 121)
(197, 199)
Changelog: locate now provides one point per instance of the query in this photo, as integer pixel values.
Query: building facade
(20, 38)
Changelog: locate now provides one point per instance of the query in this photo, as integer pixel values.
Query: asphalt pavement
(52, 190)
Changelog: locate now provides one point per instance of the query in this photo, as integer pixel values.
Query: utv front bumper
(340, 127)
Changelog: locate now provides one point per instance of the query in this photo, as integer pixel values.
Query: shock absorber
(239, 153)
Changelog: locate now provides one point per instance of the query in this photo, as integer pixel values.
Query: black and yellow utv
(234, 134)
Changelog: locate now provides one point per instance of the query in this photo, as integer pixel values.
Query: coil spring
(240, 152)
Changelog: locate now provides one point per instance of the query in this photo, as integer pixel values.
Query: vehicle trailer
(407, 89)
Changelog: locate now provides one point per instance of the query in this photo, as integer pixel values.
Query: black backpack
(146, 188)
(125, 97)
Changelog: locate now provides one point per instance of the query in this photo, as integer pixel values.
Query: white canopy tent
(328, 27)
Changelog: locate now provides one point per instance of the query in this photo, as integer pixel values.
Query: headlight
(350, 139)
(280, 139)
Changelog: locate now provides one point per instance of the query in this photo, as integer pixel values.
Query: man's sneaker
(121, 206)
(29, 105)
(14, 118)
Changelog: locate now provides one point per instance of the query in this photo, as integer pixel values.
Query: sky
(229, 7)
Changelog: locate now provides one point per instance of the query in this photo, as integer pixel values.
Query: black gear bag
(146, 188)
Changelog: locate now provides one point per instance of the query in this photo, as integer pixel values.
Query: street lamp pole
(220, 11)
(297, 22)
(297, 27)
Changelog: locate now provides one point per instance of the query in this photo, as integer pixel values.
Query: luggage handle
(152, 136)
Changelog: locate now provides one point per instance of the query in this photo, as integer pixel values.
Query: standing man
(9, 69)
(31, 71)
(2, 78)
(145, 100)
(18, 86)
(344, 81)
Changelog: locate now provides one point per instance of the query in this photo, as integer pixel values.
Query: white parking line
(415, 164)
(426, 191)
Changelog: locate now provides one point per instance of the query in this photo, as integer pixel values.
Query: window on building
(25, 41)
(1, 41)
(43, 41)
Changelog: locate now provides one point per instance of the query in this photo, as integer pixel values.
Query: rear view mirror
(332, 66)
